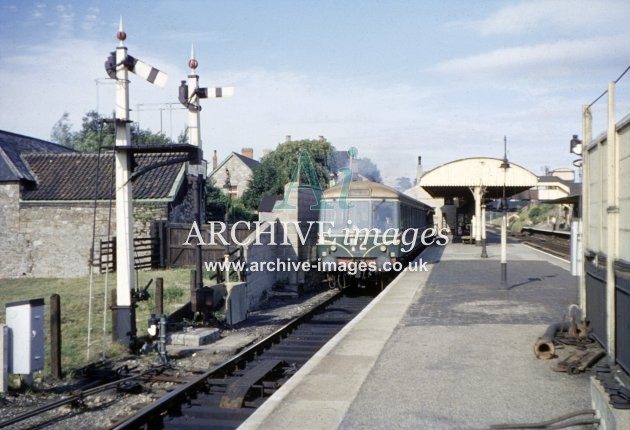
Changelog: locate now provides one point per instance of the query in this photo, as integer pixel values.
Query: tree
(217, 202)
(278, 167)
(147, 137)
(61, 132)
(183, 137)
(96, 131)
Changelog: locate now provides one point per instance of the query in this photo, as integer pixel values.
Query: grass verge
(75, 310)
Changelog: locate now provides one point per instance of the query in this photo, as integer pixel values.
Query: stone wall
(57, 239)
(300, 205)
(54, 240)
(12, 261)
(259, 282)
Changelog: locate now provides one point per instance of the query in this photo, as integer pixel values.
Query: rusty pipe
(544, 347)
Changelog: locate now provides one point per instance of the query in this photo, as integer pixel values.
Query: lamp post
(504, 221)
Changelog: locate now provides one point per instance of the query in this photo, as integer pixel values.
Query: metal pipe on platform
(544, 347)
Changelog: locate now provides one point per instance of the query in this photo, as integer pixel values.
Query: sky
(396, 79)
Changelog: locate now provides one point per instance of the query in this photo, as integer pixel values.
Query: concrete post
(194, 135)
(194, 132)
(484, 251)
(504, 249)
(478, 220)
(483, 223)
(587, 131)
(124, 204)
(612, 209)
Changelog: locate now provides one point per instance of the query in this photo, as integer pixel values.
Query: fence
(165, 248)
(146, 254)
(173, 253)
(605, 287)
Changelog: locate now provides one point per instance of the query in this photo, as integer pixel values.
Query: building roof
(455, 178)
(74, 177)
(13, 146)
(249, 162)
(551, 178)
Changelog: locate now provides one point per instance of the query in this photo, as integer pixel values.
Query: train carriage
(366, 228)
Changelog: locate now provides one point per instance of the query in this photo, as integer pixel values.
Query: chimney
(248, 152)
(288, 138)
(419, 170)
(215, 160)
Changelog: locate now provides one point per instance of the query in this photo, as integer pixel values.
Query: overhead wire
(93, 247)
(106, 283)
(606, 91)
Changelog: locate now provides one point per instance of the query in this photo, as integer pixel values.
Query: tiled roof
(13, 146)
(73, 176)
(249, 162)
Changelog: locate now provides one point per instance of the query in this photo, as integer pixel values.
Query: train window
(351, 214)
(385, 215)
(354, 214)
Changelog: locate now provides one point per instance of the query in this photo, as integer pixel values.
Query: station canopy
(458, 178)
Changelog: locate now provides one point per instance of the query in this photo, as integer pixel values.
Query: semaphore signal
(132, 64)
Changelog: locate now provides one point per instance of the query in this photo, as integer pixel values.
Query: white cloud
(543, 60)
(390, 124)
(556, 15)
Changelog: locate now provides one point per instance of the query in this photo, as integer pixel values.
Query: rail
(556, 242)
(266, 354)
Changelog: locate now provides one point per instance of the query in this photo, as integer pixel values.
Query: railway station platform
(447, 348)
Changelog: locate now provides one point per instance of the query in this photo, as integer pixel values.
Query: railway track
(226, 395)
(554, 242)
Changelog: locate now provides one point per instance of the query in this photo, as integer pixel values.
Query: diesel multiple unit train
(368, 229)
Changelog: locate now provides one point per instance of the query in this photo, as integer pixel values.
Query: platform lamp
(504, 221)
(576, 148)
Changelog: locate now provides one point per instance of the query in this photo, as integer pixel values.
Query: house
(556, 185)
(238, 168)
(53, 200)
